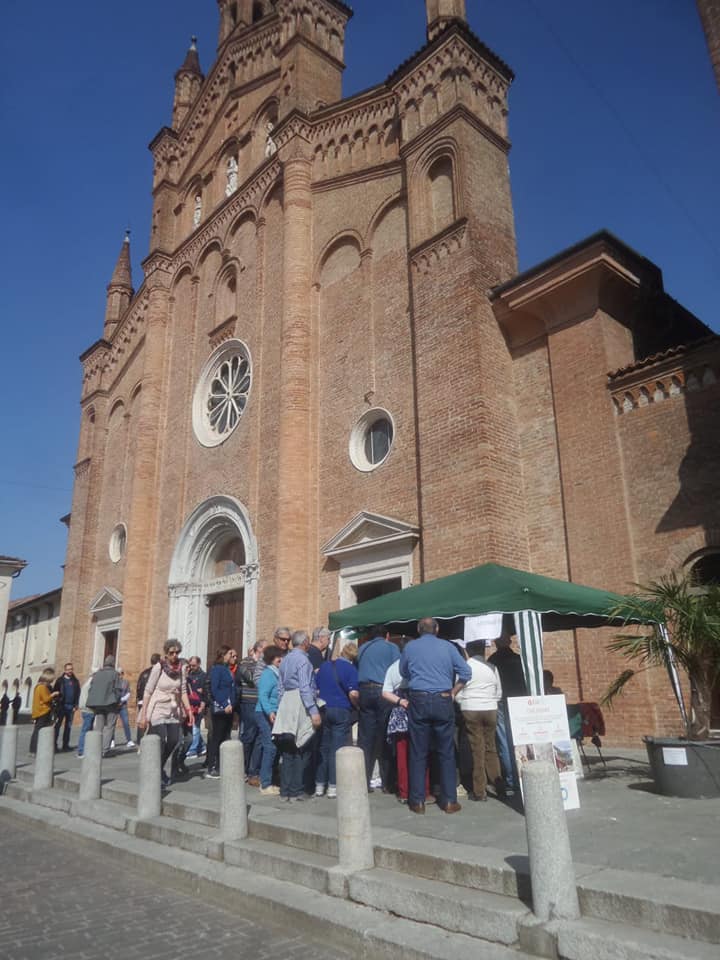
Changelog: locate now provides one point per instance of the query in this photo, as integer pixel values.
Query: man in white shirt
(478, 702)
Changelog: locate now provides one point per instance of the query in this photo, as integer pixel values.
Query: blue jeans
(374, 713)
(65, 717)
(123, 716)
(293, 766)
(268, 749)
(250, 737)
(87, 725)
(197, 744)
(336, 733)
(431, 718)
(503, 740)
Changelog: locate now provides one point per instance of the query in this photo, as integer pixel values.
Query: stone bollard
(233, 805)
(355, 846)
(552, 874)
(149, 802)
(91, 770)
(45, 759)
(8, 753)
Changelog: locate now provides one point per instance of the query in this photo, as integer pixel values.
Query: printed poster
(540, 731)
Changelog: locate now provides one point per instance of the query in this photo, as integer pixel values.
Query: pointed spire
(120, 289)
(191, 63)
(188, 81)
(122, 274)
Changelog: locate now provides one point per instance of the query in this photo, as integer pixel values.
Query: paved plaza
(621, 823)
(61, 901)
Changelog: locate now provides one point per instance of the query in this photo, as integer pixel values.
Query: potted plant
(684, 633)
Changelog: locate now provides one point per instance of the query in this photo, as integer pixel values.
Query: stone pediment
(368, 530)
(106, 600)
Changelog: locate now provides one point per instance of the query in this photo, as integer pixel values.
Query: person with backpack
(103, 700)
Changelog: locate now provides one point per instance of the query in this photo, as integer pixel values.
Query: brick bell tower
(452, 104)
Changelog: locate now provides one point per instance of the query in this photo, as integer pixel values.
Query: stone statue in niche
(270, 145)
(232, 176)
(197, 212)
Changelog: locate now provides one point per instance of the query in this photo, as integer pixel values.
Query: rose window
(222, 393)
(228, 394)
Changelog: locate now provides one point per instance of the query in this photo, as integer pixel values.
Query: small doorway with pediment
(106, 611)
(374, 555)
(213, 580)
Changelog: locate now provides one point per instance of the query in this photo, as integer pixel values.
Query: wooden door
(225, 623)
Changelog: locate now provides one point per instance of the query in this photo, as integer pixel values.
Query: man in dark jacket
(249, 731)
(196, 683)
(68, 686)
(140, 691)
(512, 677)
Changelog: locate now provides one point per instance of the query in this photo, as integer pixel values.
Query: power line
(33, 486)
(620, 120)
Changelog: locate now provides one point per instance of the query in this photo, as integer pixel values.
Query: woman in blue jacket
(223, 694)
(267, 704)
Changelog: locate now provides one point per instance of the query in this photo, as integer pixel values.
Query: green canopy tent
(537, 603)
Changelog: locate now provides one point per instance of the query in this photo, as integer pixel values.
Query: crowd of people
(430, 713)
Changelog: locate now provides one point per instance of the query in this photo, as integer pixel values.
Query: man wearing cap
(435, 672)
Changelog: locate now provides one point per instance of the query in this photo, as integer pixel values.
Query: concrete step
(581, 939)
(485, 916)
(193, 837)
(190, 810)
(305, 867)
(286, 825)
(103, 812)
(663, 904)
(464, 865)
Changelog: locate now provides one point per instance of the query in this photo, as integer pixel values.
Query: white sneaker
(270, 791)
(332, 792)
(461, 792)
(319, 789)
(130, 743)
(376, 783)
(112, 744)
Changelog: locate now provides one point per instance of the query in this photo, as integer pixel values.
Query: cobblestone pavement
(59, 903)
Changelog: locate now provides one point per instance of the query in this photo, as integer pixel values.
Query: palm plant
(691, 614)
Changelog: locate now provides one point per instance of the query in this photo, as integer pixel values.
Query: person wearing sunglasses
(166, 704)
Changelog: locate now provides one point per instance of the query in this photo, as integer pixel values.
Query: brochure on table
(540, 732)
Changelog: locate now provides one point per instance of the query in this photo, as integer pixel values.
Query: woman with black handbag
(337, 683)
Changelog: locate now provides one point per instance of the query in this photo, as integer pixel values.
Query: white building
(29, 643)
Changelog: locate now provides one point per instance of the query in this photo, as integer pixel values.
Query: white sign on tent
(540, 731)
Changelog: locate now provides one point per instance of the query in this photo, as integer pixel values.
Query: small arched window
(442, 199)
(706, 569)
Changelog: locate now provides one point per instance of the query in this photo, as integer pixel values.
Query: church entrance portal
(225, 622)
(213, 580)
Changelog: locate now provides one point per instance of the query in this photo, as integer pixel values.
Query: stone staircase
(424, 897)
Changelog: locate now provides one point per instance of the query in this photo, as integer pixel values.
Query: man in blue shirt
(435, 672)
(296, 673)
(374, 658)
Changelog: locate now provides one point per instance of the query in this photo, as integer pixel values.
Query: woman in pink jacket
(165, 703)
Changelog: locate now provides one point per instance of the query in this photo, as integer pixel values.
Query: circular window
(118, 542)
(371, 439)
(222, 393)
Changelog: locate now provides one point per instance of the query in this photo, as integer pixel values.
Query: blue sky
(614, 118)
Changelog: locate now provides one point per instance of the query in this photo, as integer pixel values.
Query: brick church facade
(332, 381)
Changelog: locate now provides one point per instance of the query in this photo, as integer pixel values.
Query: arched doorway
(213, 579)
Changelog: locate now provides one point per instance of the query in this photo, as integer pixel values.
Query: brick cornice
(428, 254)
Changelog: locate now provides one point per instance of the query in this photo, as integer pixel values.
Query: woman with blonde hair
(42, 705)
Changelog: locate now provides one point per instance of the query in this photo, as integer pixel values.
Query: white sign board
(675, 757)
(540, 731)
